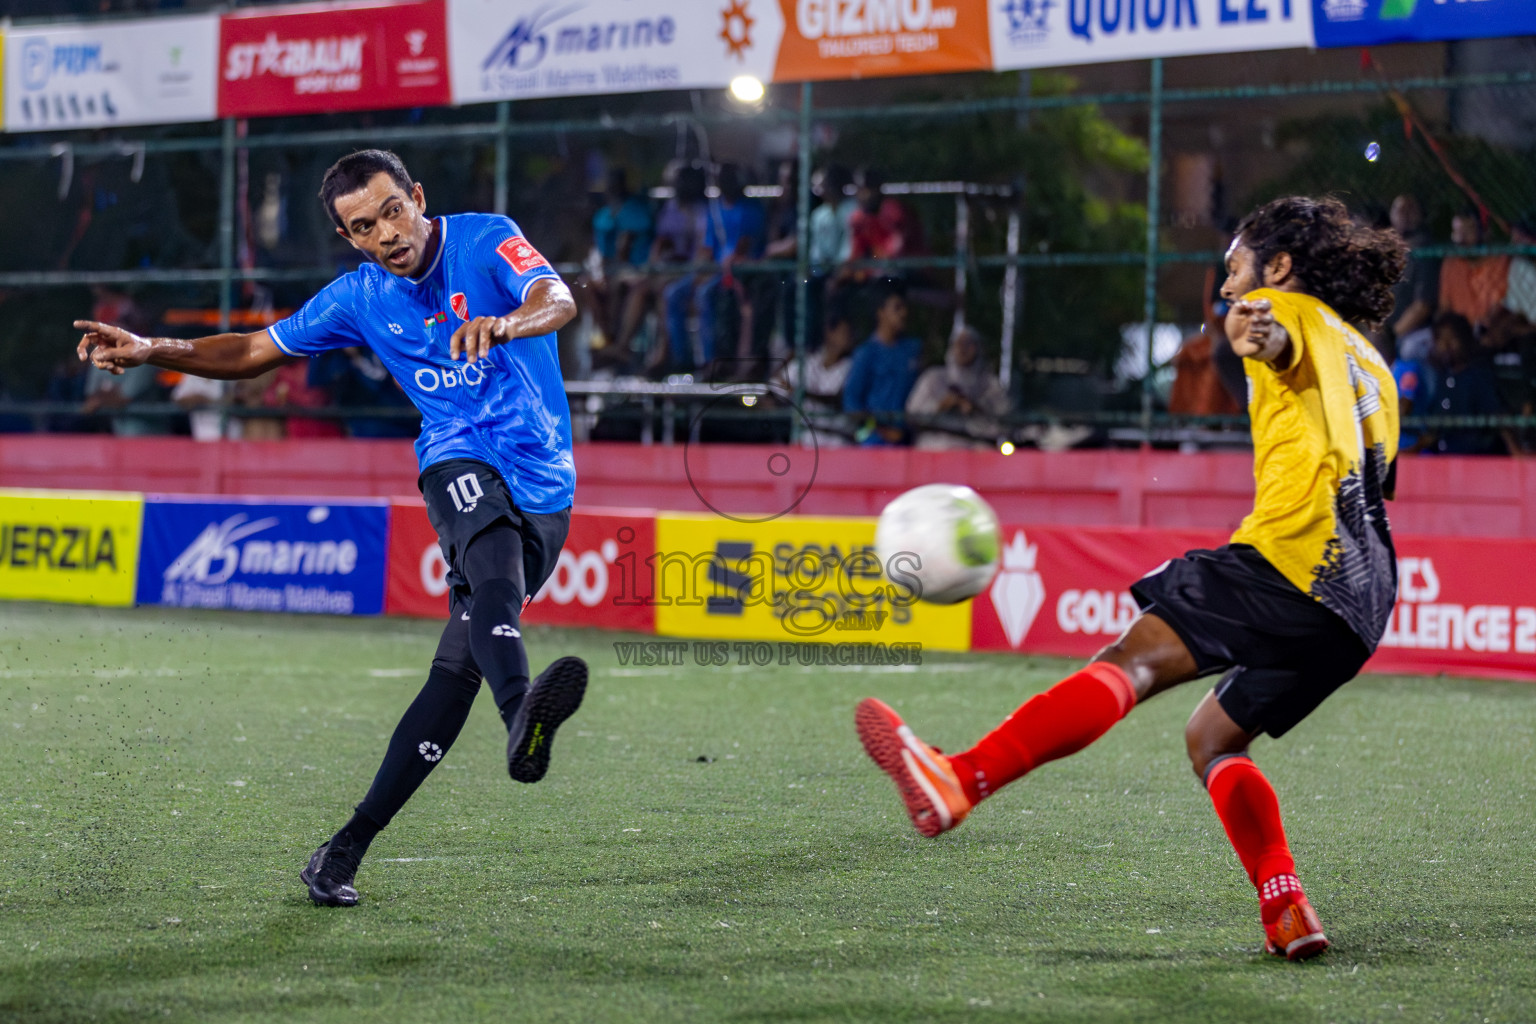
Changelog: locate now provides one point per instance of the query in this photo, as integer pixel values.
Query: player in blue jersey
(463, 311)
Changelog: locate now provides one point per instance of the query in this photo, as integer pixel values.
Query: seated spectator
(1473, 286)
(884, 369)
(682, 237)
(1464, 386)
(962, 388)
(883, 227)
(735, 232)
(1412, 396)
(622, 232)
(200, 397)
(110, 393)
(291, 389)
(1416, 295)
(1197, 385)
(826, 370)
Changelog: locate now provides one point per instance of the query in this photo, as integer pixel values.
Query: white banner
(1047, 33)
(153, 71)
(515, 49)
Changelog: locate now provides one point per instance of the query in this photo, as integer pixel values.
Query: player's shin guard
(496, 641)
(426, 731)
(1060, 721)
(1246, 804)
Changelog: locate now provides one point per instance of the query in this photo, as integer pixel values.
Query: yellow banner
(80, 547)
(791, 579)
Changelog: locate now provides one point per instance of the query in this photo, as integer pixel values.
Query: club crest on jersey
(436, 318)
(522, 256)
(460, 305)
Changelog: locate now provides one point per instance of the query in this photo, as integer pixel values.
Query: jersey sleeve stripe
(277, 340)
(529, 282)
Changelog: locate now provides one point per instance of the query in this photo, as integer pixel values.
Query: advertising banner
(1038, 33)
(797, 579)
(1371, 22)
(147, 71)
(602, 578)
(263, 555)
(1463, 605)
(838, 39)
(79, 547)
(371, 55)
(515, 49)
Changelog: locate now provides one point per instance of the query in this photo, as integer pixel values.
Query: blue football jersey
(508, 410)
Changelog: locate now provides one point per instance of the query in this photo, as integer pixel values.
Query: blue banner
(264, 556)
(1372, 22)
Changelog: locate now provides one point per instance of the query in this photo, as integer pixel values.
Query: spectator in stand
(883, 227)
(290, 388)
(826, 369)
(735, 233)
(1510, 340)
(1412, 396)
(622, 232)
(1418, 293)
(772, 295)
(1472, 286)
(831, 241)
(963, 388)
(1464, 386)
(111, 393)
(682, 237)
(1198, 386)
(200, 397)
(884, 369)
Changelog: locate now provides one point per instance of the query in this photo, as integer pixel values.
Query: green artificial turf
(166, 774)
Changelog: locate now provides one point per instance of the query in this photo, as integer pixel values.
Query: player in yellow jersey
(1288, 611)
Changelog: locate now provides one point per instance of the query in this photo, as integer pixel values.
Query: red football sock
(1245, 803)
(1060, 721)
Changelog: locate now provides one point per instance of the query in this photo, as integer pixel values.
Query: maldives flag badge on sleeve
(522, 256)
(460, 305)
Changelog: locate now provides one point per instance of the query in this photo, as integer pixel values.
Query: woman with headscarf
(963, 388)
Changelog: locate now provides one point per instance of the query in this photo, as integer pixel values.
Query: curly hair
(1351, 267)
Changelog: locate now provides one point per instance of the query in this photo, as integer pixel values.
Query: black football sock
(357, 834)
(427, 730)
(496, 641)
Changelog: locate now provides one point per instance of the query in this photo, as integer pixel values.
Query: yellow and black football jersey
(1324, 449)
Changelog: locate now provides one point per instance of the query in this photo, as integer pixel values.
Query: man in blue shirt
(462, 311)
(884, 369)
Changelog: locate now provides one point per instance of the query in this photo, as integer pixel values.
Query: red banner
(369, 55)
(601, 578)
(1464, 606)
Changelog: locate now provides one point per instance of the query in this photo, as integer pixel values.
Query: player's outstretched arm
(548, 306)
(219, 356)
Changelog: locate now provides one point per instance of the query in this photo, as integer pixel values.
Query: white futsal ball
(943, 536)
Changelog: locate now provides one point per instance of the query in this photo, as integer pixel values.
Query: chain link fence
(1075, 220)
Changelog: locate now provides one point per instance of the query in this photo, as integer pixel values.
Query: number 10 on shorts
(465, 492)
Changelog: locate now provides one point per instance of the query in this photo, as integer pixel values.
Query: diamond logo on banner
(1018, 593)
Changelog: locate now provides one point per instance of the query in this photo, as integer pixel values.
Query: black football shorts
(1282, 652)
(465, 497)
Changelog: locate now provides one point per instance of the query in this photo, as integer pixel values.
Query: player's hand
(1254, 332)
(111, 348)
(476, 338)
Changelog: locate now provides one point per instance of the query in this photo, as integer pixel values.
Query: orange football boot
(1291, 926)
(928, 785)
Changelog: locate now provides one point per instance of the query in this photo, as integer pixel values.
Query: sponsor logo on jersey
(460, 305)
(522, 256)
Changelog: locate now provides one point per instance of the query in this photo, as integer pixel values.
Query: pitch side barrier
(737, 588)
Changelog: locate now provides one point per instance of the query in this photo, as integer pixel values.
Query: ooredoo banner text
(332, 57)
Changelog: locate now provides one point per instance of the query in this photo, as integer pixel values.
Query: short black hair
(355, 171)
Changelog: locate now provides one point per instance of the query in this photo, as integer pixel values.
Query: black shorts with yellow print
(1282, 651)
